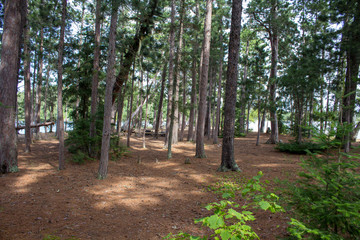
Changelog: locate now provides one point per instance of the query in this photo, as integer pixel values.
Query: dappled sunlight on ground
(145, 196)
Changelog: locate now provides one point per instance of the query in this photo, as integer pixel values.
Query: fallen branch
(36, 125)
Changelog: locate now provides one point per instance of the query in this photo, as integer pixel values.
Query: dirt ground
(145, 200)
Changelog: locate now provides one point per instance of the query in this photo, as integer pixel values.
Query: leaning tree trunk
(200, 151)
(227, 157)
(9, 67)
(60, 118)
(95, 77)
(110, 79)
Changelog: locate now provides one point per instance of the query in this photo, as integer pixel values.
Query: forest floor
(145, 200)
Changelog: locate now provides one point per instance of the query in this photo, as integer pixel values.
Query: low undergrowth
(229, 218)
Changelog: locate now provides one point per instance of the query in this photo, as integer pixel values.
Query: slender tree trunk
(46, 95)
(27, 86)
(248, 117)
(95, 77)
(311, 110)
(263, 119)
(39, 83)
(193, 97)
(120, 110)
(259, 119)
(33, 102)
(60, 118)
(218, 102)
(183, 122)
(208, 111)
(130, 109)
(200, 151)
(274, 40)
(171, 70)
(110, 80)
(243, 92)
(227, 157)
(146, 109)
(140, 97)
(158, 116)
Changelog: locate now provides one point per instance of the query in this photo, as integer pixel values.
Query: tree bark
(39, 83)
(95, 78)
(9, 68)
(183, 106)
(110, 79)
(274, 41)
(131, 105)
(193, 100)
(157, 124)
(27, 86)
(218, 102)
(60, 118)
(243, 92)
(200, 151)
(227, 157)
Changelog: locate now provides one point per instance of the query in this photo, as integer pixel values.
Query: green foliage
(117, 149)
(53, 237)
(300, 148)
(229, 219)
(326, 198)
(79, 141)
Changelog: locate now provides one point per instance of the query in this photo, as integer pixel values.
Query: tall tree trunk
(259, 119)
(146, 108)
(243, 92)
(95, 77)
(158, 116)
(193, 99)
(171, 70)
(60, 118)
(200, 151)
(131, 105)
(183, 122)
(207, 131)
(39, 83)
(9, 68)
(46, 95)
(81, 36)
(248, 116)
(274, 40)
(27, 86)
(227, 157)
(352, 75)
(263, 119)
(311, 110)
(33, 102)
(174, 119)
(218, 102)
(120, 110)
(110, 80)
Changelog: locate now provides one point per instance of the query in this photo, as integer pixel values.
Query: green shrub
(326, 197)
(300, 148)
(229, 219)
